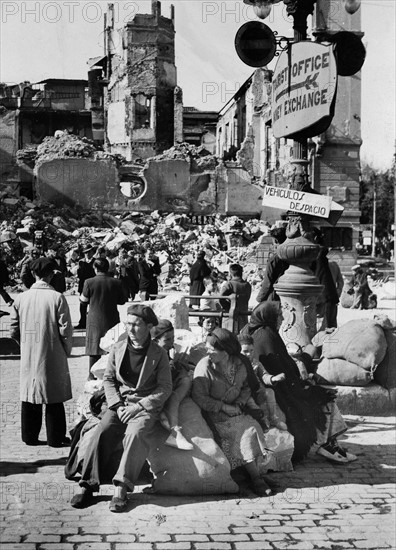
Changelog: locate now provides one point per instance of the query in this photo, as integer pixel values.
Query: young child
(211, 288)
(164, 335)
(208, 324)
(237, 285)
(273, 415)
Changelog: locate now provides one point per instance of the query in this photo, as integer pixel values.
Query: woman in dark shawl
(311, 414)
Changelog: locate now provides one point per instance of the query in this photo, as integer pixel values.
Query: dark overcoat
(198, 271)
(103, 293)
(148, 275)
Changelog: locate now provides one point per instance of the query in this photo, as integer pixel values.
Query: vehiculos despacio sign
(297, 201)
(303, 90)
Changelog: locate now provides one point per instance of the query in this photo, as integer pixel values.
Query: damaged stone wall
(184, 179)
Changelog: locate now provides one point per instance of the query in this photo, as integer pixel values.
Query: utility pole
(374, 216)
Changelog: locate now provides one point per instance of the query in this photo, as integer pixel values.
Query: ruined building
(30, 112)
(141, 85)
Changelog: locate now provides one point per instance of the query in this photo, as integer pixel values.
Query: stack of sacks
(351, 353)
(385, 373)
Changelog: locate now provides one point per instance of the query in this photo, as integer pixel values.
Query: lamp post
(374, 217)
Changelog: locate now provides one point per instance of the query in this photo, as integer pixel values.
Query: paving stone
(229, 538)
(374, 544)
(193, 537)
(9, 538)
(43, 538)
(132, 546)
(282, 529)
(121, 538)
(251, 545)
(212, 546)
(269, 536)
(247, 529)
(293, 546)
(85, 538)
(173, 546)
(154, 537)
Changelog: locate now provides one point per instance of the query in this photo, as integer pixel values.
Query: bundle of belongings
(361, 351)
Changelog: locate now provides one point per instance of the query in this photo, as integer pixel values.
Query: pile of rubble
(200, 158)
(175, 237)
(63, 145)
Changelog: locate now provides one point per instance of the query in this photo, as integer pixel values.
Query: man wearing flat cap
(137, 382)
(42, 324)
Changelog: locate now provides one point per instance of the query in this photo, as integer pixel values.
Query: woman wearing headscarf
(221, 389)
(311, 414)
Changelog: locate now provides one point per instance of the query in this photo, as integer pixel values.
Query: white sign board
(303, 88)
(297, 201)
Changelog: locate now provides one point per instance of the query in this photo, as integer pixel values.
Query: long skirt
(242, 440)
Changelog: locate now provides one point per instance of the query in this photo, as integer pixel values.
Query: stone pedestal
(298, 290)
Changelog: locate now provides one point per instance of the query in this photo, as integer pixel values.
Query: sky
(54, 39)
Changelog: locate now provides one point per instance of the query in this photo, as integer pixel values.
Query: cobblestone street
(318, 506)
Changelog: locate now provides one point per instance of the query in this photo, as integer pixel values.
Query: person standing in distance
(198, 271)
(42, 324)
(102, 293)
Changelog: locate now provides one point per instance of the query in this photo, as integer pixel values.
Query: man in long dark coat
(198, 271)
(85, 271)
(149, 270)
(102, 293)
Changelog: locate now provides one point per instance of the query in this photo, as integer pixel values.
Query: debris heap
(175, 237)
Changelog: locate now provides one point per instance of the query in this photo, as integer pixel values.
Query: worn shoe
(118, 504)
(82, 500)
(176, 439)
(261, 488)
(64, 443)
(335, 453)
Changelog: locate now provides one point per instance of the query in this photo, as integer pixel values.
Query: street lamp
(262, 8)
(351, 6)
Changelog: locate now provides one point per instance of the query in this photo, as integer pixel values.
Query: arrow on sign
(307, 83)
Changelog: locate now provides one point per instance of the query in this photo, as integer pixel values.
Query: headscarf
(265, 314)
(163, 326)
(225, 340)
